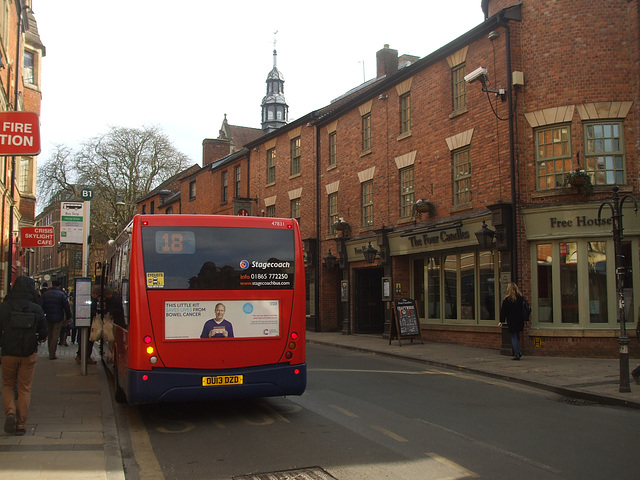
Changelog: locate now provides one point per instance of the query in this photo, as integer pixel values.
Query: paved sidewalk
(590, 379)
(71, 430)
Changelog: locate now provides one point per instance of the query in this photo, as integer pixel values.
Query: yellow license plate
(222, 380)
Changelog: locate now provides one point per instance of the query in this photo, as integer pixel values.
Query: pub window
(333, 212)
(407, 192)
(271, 211)
(553, 156)
(575, 283)
(367, 203)
(366, 132)
(604, 153)
(461, 177)
(405, 113)
(295, 208)
(271, 165)
(459, 87)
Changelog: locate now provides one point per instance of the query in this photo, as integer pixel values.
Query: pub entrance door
(367, 300)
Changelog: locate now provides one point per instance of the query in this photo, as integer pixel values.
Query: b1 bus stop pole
(86, 229)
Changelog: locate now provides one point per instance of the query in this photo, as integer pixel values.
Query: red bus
(205, 307)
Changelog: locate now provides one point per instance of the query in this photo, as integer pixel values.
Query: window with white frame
(192, 190)
(604, 153)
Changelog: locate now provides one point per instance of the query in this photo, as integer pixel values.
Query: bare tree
(57, 177)
(120, 166)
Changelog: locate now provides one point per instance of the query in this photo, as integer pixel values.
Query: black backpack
(20, 339)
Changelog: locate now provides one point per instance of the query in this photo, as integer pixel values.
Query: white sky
(183, 65)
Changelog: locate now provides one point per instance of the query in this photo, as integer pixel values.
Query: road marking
(453, 465)
(142, 449)
(343, 411)
(350, 370)
(502, 451)
(389, 433)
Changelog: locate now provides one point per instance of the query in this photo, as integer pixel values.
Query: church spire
(275, 111)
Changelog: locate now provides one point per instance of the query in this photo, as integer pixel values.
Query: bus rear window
(228, 258)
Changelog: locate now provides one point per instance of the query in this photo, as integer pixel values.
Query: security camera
(475, 75)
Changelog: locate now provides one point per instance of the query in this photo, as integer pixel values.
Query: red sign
(37, 237)
(242, 213)
(19, 133)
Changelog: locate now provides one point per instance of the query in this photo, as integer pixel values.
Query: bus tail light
(148, 340)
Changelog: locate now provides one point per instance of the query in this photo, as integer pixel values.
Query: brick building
(21, 52)
(484, 139)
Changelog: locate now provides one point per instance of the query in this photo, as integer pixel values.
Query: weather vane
(275, 40)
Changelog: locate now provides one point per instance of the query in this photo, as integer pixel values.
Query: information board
(406, 321)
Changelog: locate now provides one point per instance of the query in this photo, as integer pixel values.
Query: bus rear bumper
(182, 385)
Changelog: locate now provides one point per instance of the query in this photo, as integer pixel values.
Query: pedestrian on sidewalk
(55, 305)
(511, 312)
(19, 337)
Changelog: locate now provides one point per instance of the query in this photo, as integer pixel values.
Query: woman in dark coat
(511, 312)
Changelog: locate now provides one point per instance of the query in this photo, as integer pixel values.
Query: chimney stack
(387, 61)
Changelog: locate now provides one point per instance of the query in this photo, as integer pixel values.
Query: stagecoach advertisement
(221, 320)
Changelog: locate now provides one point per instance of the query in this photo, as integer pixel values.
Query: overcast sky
(183, 65)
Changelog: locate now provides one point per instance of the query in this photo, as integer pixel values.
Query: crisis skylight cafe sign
(19, 133)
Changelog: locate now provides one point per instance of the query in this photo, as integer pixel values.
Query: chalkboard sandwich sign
(406, 321)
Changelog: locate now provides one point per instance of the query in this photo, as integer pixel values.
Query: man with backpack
(22, 326)
(55, 305)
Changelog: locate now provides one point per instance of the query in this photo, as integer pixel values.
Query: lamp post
(616, 204)
(485, 238)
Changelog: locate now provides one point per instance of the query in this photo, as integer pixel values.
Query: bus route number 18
(175, 242)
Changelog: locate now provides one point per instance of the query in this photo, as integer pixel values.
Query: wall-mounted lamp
(255, 149)
(485, 236)
(383, 96)
(330, 260)
(369, 253)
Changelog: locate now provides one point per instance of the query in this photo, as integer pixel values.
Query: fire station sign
(37, 237)
(19, 133)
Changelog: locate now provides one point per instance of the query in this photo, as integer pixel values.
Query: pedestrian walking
(55, 305)
(512, 312)
(22, 326)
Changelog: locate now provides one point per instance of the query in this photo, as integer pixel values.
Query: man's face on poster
(220, 309)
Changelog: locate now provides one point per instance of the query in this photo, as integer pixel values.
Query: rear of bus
(216, 309)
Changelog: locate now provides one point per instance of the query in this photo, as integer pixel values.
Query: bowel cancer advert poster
(221, 320)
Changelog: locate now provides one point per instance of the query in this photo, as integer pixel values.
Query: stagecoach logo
(247, 308)
(244, 264)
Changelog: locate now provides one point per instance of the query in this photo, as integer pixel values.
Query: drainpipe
(512, 155)
(318, 262)
(17, 71)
